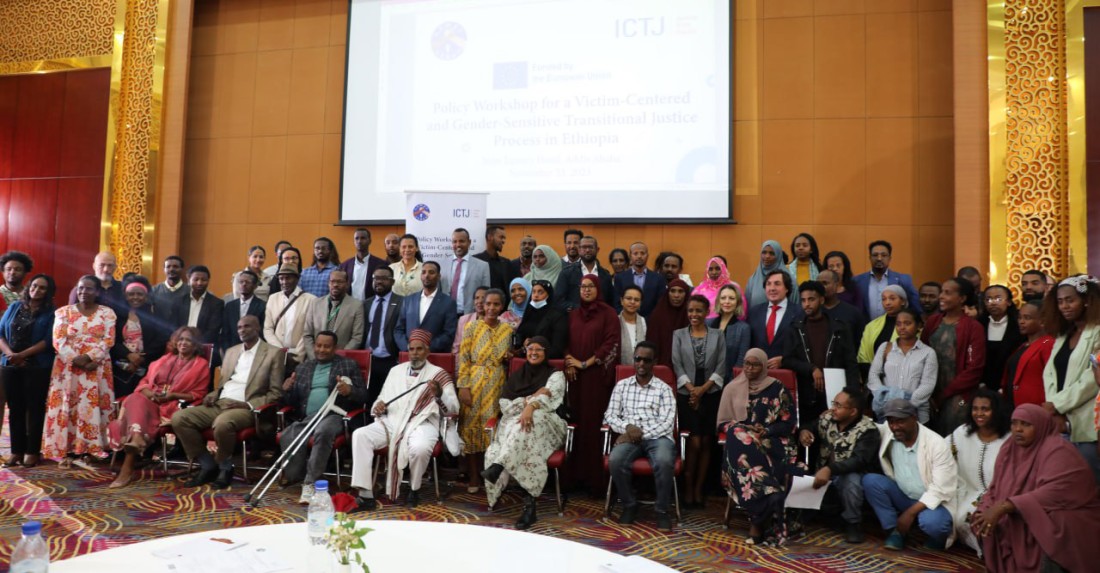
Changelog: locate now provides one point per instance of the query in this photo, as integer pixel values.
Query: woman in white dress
(975, 445)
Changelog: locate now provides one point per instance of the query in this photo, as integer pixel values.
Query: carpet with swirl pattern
(81, 515)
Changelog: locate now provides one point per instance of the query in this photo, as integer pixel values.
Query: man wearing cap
(409, 425)
(848, 445)
(917, 486)
(285, 317)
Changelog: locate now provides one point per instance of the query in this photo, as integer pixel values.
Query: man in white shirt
(251, 378)
(409, 425)
(430, 310)
(285, 317)
(200, 309)
(463, 273)
(572, 238)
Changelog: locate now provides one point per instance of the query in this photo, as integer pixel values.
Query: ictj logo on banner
(433, 217)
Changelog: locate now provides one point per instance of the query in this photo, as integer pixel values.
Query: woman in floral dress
(80, 397)
(757, 417)
(486, 346)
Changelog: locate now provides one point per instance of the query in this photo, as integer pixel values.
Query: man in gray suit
(381, 312)
(337, 312)
(251, 377)
(463, 273)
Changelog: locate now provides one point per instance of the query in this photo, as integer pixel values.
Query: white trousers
(419, 443)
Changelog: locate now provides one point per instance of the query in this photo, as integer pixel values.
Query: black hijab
(529, 379)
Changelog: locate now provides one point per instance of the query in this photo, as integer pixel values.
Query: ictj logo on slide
(421, 212)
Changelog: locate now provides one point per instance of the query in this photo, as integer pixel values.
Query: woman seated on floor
(529, 430)
(181, 374)
(757, 417)
(1041, 512)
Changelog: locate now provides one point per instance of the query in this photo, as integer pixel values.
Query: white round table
(393, 546)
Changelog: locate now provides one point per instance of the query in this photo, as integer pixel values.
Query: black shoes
(202, 478)
(413, 499)
(364, 504)
(529, 515)
(225, 477)
(853, 533)
(492, 473)
(630, 513)
(664, 522)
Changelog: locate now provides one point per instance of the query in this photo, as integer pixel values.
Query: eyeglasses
(643, 359)
(585, 287)
(532, 348)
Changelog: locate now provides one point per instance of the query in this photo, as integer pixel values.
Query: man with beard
(522, 265)
(567, 295)
(500, 268)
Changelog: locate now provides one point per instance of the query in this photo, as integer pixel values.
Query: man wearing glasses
(848, 443)
(642, 411)
(381, 314)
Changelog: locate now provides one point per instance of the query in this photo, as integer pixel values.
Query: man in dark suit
(238, 308)
(360, 268)
(567, 293)
(818, 341)
(201, 309)
(164, 295)
(871, 283)
(500, 268)
(770, 322)
(381, 312)
(431, 310)
(522, 265)
(652, 283)
(463, 274)
(840, 310)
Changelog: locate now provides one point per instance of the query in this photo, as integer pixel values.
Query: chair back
(208, 352)
(623, 371)
(444, 360)
(361, 358)
(788, 380)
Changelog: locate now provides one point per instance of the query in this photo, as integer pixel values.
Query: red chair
(789, 381)
(381, 454)
(163, 431)
(641, 466)
(557, 458)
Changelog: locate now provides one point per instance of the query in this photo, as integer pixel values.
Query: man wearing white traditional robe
(408, 425)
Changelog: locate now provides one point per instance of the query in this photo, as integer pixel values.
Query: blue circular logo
(421, 212)
(449, 40)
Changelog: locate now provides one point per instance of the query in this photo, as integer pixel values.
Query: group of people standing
(931, 374)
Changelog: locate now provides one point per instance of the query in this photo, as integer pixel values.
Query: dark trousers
(26, 390)
(662, 456)
(309, 463)
(379, 370)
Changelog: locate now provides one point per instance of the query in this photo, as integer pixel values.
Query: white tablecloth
(393, 546)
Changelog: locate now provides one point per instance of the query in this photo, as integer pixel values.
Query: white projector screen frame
(499, 128)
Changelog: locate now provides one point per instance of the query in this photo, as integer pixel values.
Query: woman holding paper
(756, 415)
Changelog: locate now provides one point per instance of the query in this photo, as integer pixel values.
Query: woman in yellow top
(406, 272)
(807, 259)
(482, 370)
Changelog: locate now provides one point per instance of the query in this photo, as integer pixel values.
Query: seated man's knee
(874, 482)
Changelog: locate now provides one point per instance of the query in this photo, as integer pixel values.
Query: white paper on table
(803, 495)
(835, 380)
(205, 546)
(252, 559)
(634, 564)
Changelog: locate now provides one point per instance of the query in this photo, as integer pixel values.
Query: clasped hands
(632, 435)
(85, 362)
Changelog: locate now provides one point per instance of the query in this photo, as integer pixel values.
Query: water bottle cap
(32, 528)
(321, 485)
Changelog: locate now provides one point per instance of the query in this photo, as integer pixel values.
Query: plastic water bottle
(321, 514)
(31, 554)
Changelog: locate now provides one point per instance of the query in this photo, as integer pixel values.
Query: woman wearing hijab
(594, 339)
(757, 417)
(520, 292)
(544, 319)
(717, 277)
(545, 265)
(771, 259)
(882, 329)
(1039, 513)
(529, 430)
(668, 316)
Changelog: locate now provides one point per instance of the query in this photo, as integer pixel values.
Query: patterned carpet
(81, 515)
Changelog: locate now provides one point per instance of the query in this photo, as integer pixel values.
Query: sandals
(13, 461)
(84, 463)
(65, 464)
(30, 460)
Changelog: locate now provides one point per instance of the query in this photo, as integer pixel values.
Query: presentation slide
(560, 110)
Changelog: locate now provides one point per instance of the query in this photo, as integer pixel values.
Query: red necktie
(771, 323)
(454, 282)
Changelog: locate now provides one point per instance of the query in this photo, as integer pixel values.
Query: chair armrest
(490, 427)
(684, 435)
(280, 417)
(570, 429)
(257, 412)
(606, 439)
(352, 414)
(447, 420)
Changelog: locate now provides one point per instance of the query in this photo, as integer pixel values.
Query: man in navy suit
(431, 310)
(567, 293)
(360, 267)
(202, 309)
(871, 283)
(381, 312)
(238, 308)
(770, 322)
(652, 283)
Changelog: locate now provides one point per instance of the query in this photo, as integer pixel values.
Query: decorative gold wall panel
(1029, 156)
(51, 29)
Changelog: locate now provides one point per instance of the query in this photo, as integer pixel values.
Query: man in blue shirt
(315, 277)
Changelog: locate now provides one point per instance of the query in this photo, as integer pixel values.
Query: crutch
(303, 437)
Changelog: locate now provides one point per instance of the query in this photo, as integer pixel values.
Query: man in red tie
(463, 274)
(770, 321)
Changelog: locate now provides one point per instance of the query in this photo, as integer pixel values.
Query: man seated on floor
(251, 377)
(848, 445)
(306, 391)
(642, 411)
(918, 487)
(409, 425)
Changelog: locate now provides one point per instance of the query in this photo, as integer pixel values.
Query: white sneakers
(307, 494)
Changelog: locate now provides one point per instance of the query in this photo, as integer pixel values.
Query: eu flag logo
(509, 75)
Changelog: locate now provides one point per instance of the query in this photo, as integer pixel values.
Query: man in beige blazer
(251, 377)
(285, 317)
(336, 312)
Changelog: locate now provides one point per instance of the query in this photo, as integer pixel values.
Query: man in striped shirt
(642, 411)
